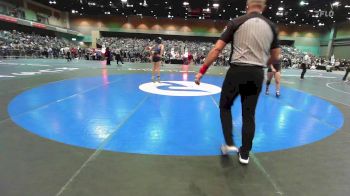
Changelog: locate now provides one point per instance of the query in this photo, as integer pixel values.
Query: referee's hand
(199, 76)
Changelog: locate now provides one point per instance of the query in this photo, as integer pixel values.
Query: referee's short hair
(256, 2)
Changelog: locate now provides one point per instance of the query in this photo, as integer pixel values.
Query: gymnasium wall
(342, 52)
(135, 24)
(341, 44)
(305, 38)
(30, 15)
(323, 51)
(325, 39)
(343, 31)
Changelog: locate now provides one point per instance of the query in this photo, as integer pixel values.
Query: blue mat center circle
(112, 113)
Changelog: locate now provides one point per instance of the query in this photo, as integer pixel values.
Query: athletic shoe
(243, 159)
(267, 93)
(153, 80)
(225, 149)
(278, 94)
(159, 79)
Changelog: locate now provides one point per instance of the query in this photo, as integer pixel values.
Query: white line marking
(259, 165)
(325, 98)
(23, 64)
(39, 65)
(308, 76)
(212, 98)
(267, 175)
(10, 63)
(60, 100)
(333, 100)
(101, 147)
(287, 82)
(340, 91)
(6, 76)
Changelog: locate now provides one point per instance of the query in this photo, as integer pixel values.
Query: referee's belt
(245, 65)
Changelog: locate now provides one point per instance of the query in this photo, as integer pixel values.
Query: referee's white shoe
(243, 160)
(225, 149)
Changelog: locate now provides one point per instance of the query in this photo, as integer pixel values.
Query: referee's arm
(215, 52)
(225, 38)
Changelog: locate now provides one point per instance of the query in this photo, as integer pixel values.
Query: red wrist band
(204, 69)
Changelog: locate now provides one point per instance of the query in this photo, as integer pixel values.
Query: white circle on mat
(180, 88)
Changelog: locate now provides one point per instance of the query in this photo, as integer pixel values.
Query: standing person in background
(118, 56)
(190, 58)
(304, 65)
(129, 55)
(289, 60)
(108, 55)
(333, 60)
(347, 70)
(147, 54)
(69, 55)
(157, 55)
(74, 52)
(185, 58)
(255, 44)
(80, 52)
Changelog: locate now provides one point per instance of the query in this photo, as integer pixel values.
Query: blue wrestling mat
(126, 113)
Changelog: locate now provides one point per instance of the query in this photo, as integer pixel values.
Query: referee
(255, 44)
(347, 70)
(304, 65)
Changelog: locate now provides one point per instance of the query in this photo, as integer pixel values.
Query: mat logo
(180, 88)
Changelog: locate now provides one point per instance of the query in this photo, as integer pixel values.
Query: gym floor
(46, 150)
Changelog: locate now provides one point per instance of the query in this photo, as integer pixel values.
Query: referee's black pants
(119, 58)
(304, 68)
(245, 81)
(303, 73)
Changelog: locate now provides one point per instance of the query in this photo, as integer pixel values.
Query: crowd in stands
(293, 58)
(15, 43)
(175, 50)
(138, 50)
